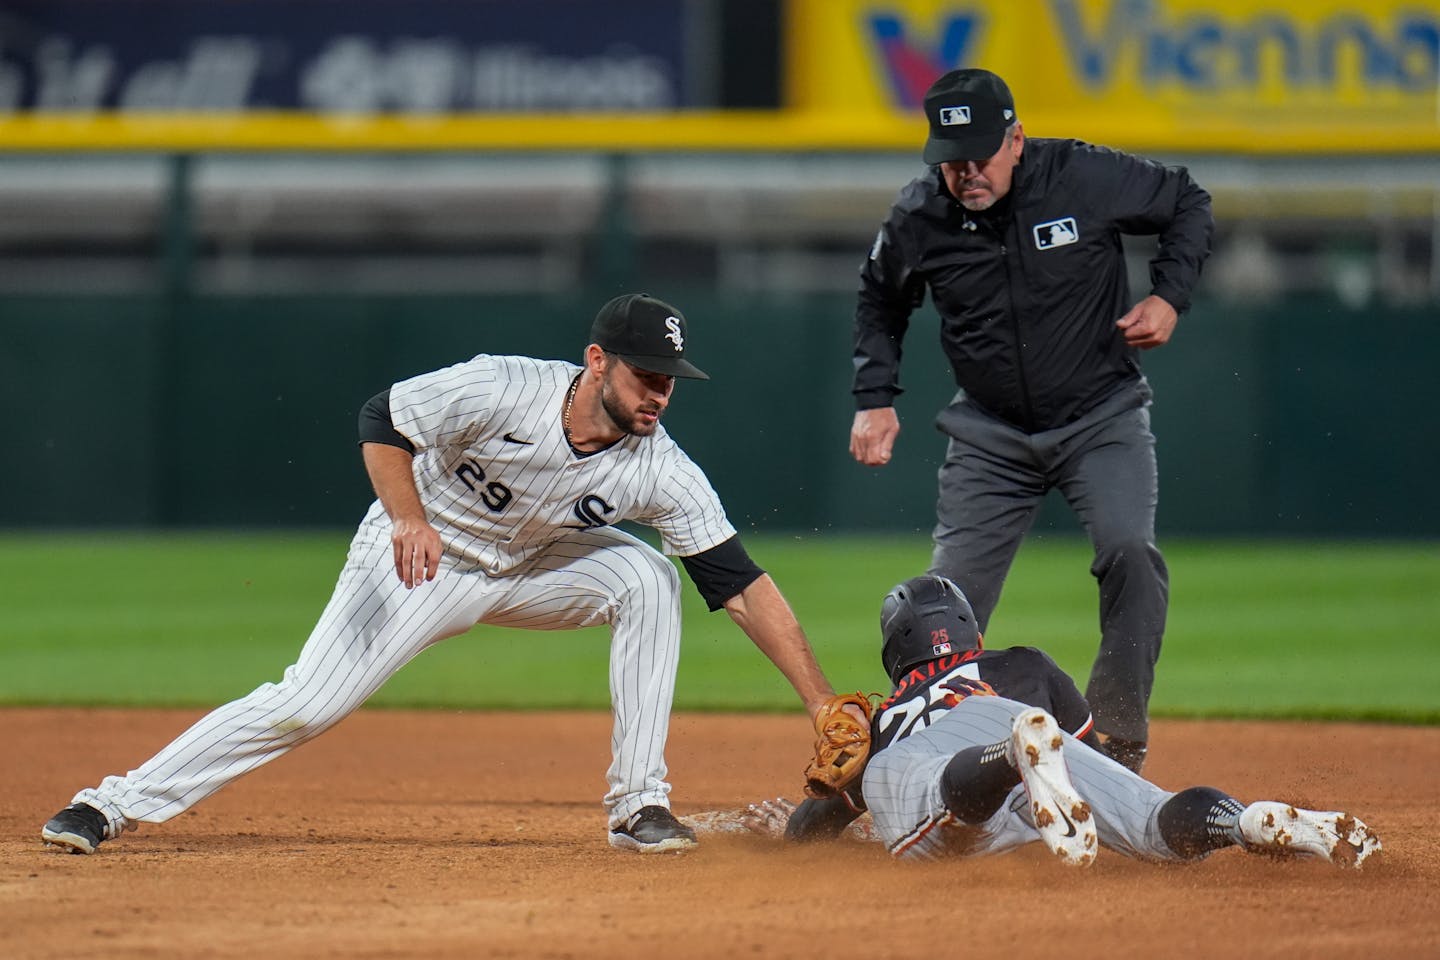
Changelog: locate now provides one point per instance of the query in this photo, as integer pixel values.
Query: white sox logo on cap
(636, 328)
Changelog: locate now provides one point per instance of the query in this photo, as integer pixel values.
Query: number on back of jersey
(911, 711)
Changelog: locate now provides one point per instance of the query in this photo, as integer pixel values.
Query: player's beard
(622, 418)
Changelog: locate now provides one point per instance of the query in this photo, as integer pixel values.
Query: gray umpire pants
(992, 483)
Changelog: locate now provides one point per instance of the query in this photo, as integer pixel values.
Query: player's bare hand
(1149, 323)
(768, 817)
(872, 436)
(417, 551)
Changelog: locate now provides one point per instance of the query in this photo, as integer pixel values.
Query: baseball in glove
(842, 747)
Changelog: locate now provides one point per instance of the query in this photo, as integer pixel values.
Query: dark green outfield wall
(1305, 419)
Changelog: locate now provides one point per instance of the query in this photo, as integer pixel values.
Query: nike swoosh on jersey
(511, 438)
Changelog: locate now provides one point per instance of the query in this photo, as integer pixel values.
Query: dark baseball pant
(990, 488)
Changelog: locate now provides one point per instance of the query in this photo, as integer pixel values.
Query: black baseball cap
(645, 333)
(968, 111)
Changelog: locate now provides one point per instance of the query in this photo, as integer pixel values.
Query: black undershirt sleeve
(1068, 705)
(822, 819)
(722, 571)
(376, 425)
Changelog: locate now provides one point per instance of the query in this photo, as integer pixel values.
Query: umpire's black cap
(645, 333)
(969, 111)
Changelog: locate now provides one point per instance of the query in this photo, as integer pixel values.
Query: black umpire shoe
(78, 828)
(653, 830)
(1127, 753)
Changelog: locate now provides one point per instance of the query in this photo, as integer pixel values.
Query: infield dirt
(445, 834)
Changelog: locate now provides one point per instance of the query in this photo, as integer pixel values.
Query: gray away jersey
(499, 480)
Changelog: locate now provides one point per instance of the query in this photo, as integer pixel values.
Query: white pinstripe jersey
(500, 482)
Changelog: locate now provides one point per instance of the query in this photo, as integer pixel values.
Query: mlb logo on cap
(969, 111)
(941, 649)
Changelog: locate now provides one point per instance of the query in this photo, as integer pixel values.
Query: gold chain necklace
(565, 411)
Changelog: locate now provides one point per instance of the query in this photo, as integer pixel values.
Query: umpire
(1018, 242)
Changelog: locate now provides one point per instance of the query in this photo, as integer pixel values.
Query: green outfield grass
(1310, 630)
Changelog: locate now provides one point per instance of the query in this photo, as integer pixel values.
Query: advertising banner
(353, 58)
(1289, 76)
(1317, 75)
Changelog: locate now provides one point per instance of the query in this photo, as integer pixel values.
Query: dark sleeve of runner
(722, 571)
(823, 819)
(376, 425)
(1067, 704)
(890, 290)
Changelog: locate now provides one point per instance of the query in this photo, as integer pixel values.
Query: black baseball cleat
(653, 830)
(78, 828)
(1127, 753)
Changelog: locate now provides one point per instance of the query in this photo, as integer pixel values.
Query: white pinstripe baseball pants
(902, 789)
(373, 626)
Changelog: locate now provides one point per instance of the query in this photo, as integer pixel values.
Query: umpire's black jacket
(1028, 292)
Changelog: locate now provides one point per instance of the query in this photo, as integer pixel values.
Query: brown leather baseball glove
(842, 747)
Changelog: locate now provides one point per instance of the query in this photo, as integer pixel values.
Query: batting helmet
(924, 618)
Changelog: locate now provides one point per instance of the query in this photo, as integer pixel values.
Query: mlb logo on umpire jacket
(1056, 233)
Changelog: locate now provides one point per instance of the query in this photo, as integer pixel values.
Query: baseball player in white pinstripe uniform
(979, 751)
(499, 480)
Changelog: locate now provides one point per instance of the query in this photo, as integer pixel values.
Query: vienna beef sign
(1204, 75)
(1308, 74)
